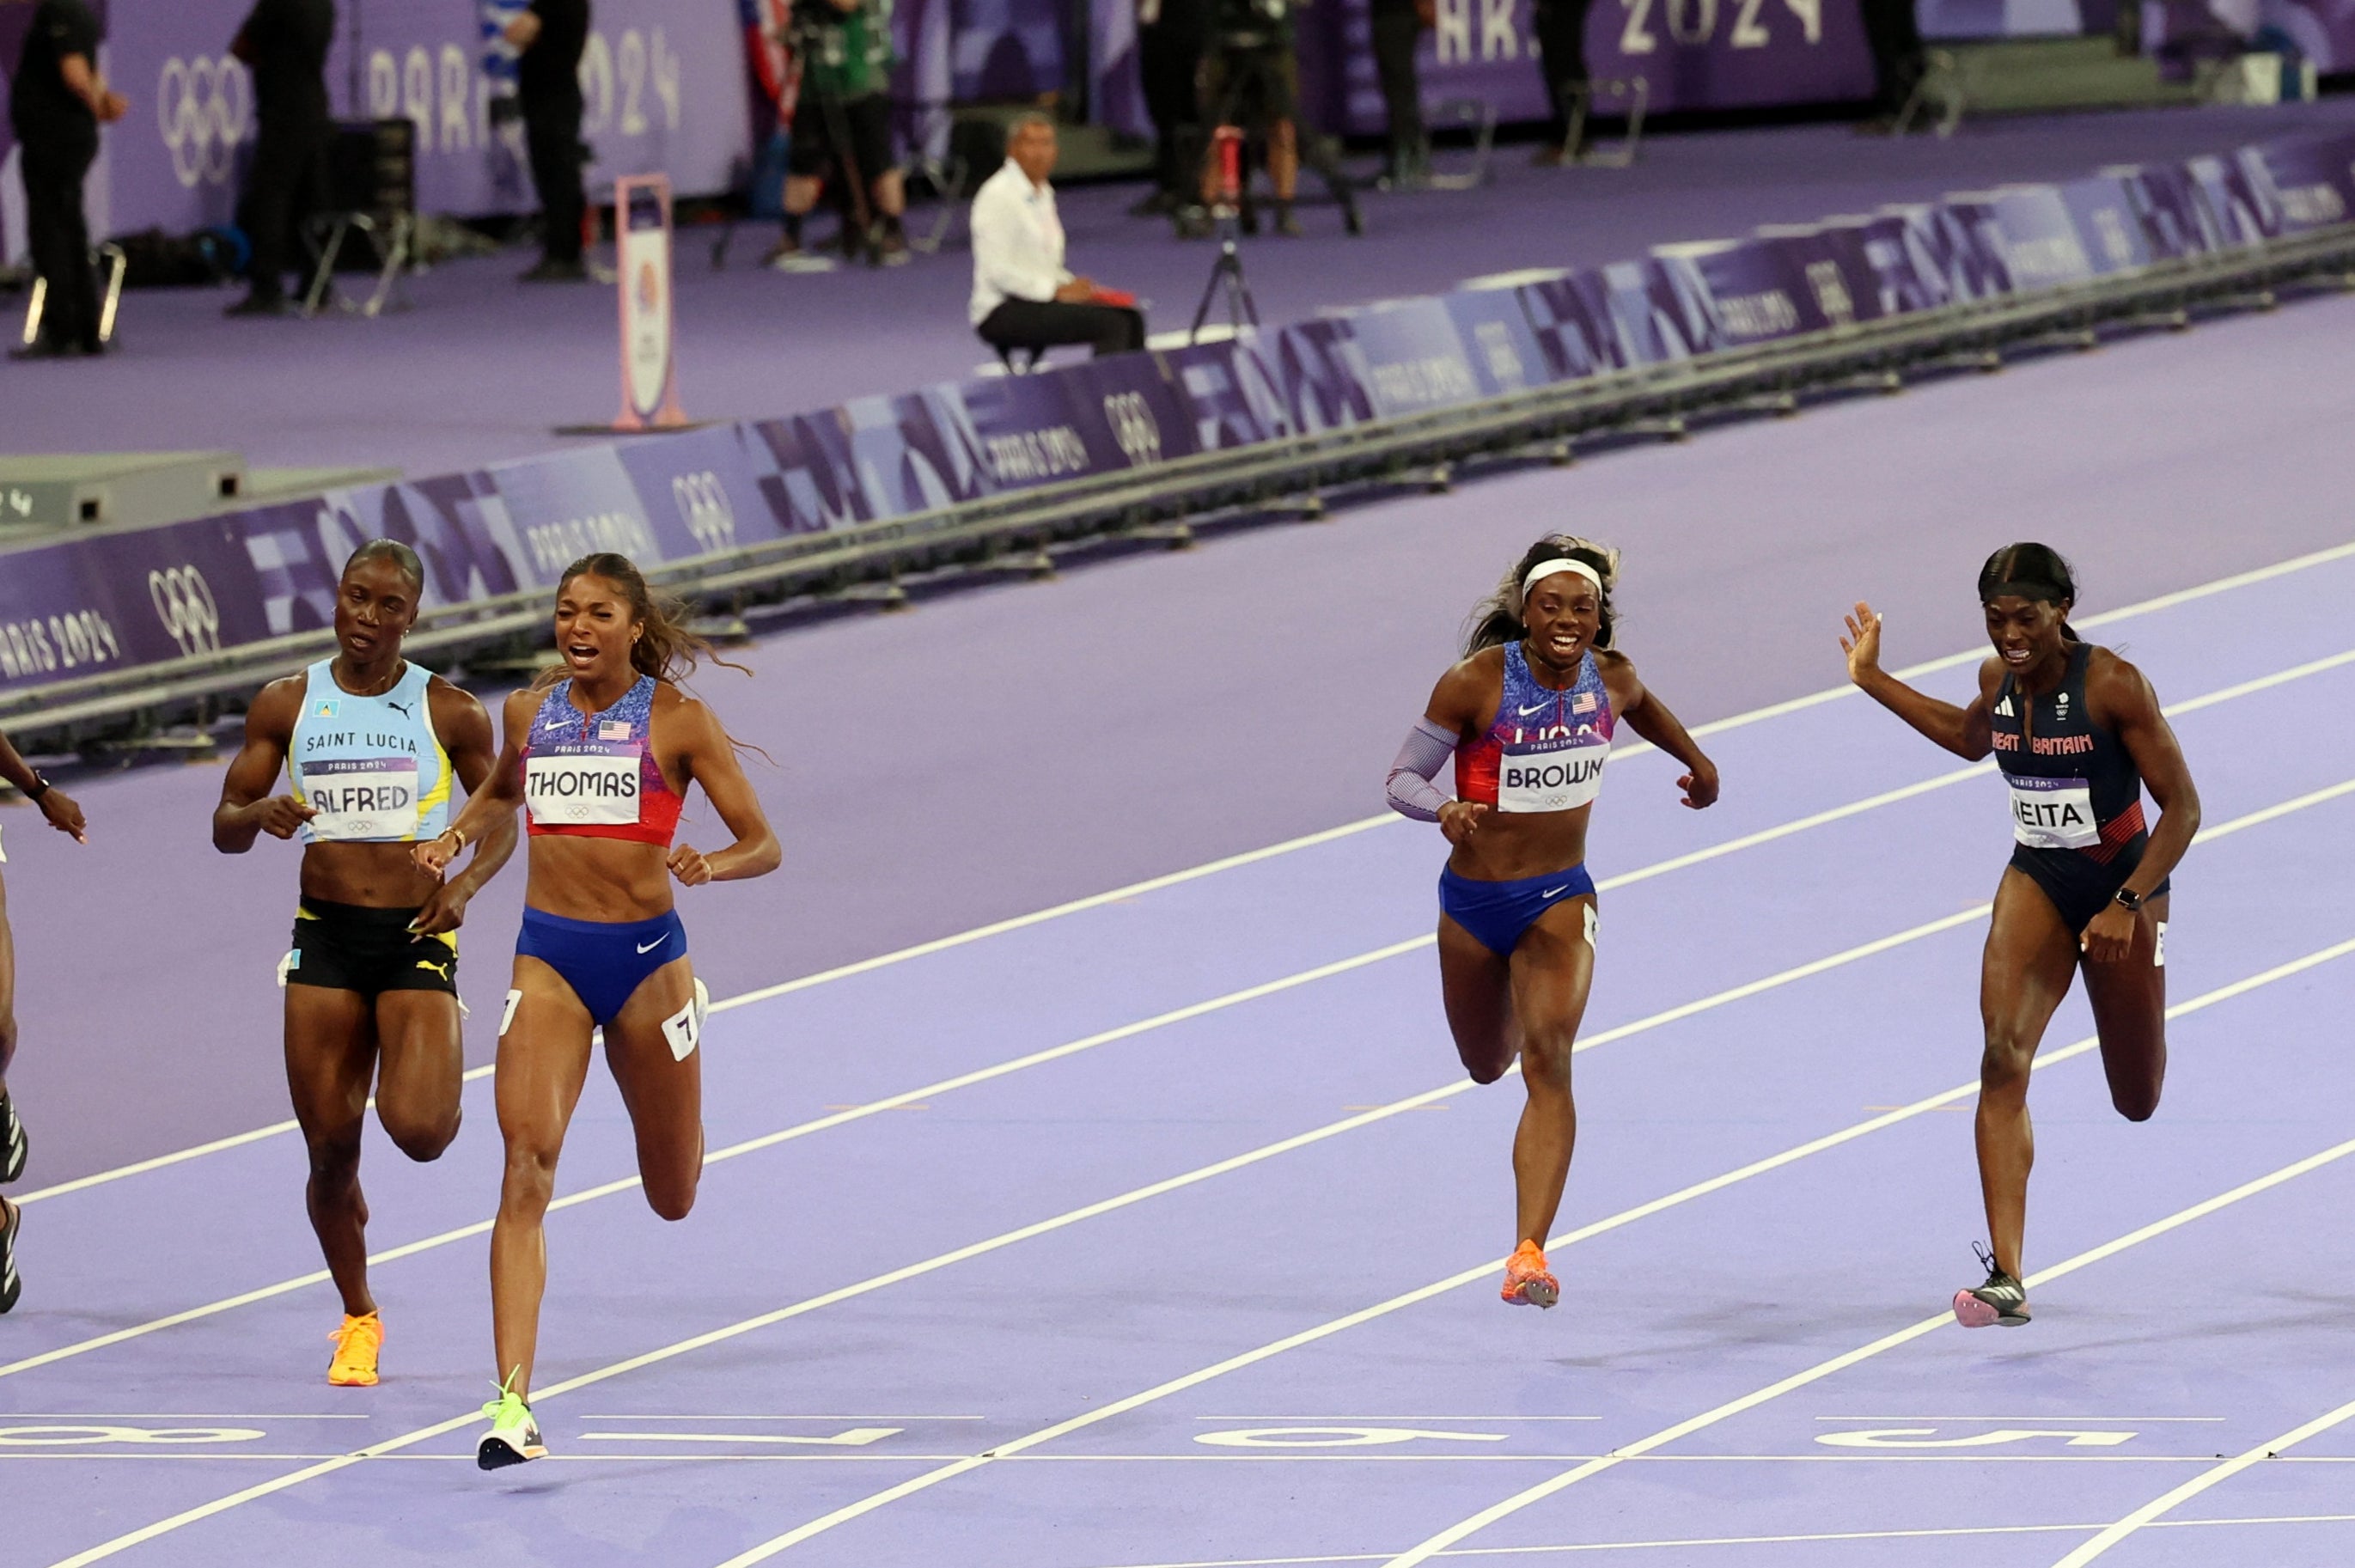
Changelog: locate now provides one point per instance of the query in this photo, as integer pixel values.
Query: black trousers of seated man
(552, 137)
(1043, 324)
(57, 234)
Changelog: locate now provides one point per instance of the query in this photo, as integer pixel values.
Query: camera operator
(1251, 79)
(56, 103)
(843, 124)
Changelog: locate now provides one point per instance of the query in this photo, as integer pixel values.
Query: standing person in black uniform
(1894, 36)
(55, 103)
(552, 36)
(1562, 55)
(1172, 36)
(284, 44)
(1397, 27)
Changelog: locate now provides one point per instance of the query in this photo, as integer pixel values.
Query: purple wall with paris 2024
(664, 81)
(87, 605)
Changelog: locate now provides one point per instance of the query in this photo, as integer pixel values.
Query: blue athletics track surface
(1163, 1230)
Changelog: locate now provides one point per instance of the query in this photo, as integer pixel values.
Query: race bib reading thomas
(360, 799)
(2052, 813)
(1551, 775)
(583, 787)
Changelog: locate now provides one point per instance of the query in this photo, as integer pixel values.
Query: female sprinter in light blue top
(370, 744)
(599, 753)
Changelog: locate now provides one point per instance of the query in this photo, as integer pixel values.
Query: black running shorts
(350, 947)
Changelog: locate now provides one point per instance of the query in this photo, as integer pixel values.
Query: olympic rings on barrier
(703, 505)
(88, 1437)
(203, 107)
(185, 604)
(1134, 427)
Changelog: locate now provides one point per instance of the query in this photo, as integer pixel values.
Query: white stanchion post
(642, 244)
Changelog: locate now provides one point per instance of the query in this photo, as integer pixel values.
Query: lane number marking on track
(86, 1436)
(1336, 1436)
(1927, 1437)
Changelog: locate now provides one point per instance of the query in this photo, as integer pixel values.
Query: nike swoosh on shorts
(657, 942)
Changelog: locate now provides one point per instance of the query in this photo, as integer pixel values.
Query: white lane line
(1434, 1545)
(1331, 1129)
(163, 1415)
(2103, 1420)
(2145, 1515)
(395, 1446)
(1137, 1195)
(1230, 862)
(1179, 1015)
(1407, 1418)
(1484, 1271)
(711, 1416)
(1922, 1535)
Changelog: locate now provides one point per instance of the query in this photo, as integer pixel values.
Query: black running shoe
(14, 1145)
(2001, 1302)
(11, 1287)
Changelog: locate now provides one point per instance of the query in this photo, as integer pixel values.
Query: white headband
(1545, 568)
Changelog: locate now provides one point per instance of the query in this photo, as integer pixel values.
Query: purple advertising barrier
(2244, 209)
(2311, 180)
(666, 89)
(455, 522)
(559, 508)
(915, 452)
(2042, 245)
(2104, 216)
(1097, 418)
(131, 598)
(1570, 318)
(1952, 250)
(1409, 356)
(1855, 269)
(1496, 335)
(1316, 375)
(1692, 54)
(705, 491)
(812, 482)
(1656, 324)
(1751, 291)
(1229, 396)
(2166, 202)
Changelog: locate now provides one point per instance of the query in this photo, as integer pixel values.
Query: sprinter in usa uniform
(1528, 715)
(600, 752)
(371, 744)
(2078, 734)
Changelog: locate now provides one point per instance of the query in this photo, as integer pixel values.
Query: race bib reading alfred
(2052, 813)
(1551, 775)
(584, 788)
(362, 798)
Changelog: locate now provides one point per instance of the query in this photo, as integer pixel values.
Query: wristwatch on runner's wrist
(2129, 900)
(40, 787)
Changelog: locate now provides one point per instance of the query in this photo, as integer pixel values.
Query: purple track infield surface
(1166, 1230)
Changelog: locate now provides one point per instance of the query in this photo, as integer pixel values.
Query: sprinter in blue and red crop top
(1529, 716)
(2079, 735)
(599, 759)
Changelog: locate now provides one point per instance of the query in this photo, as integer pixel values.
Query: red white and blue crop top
(593, 776)
(1545, 749)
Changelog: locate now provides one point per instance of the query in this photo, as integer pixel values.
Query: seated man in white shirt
(1023, 297)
